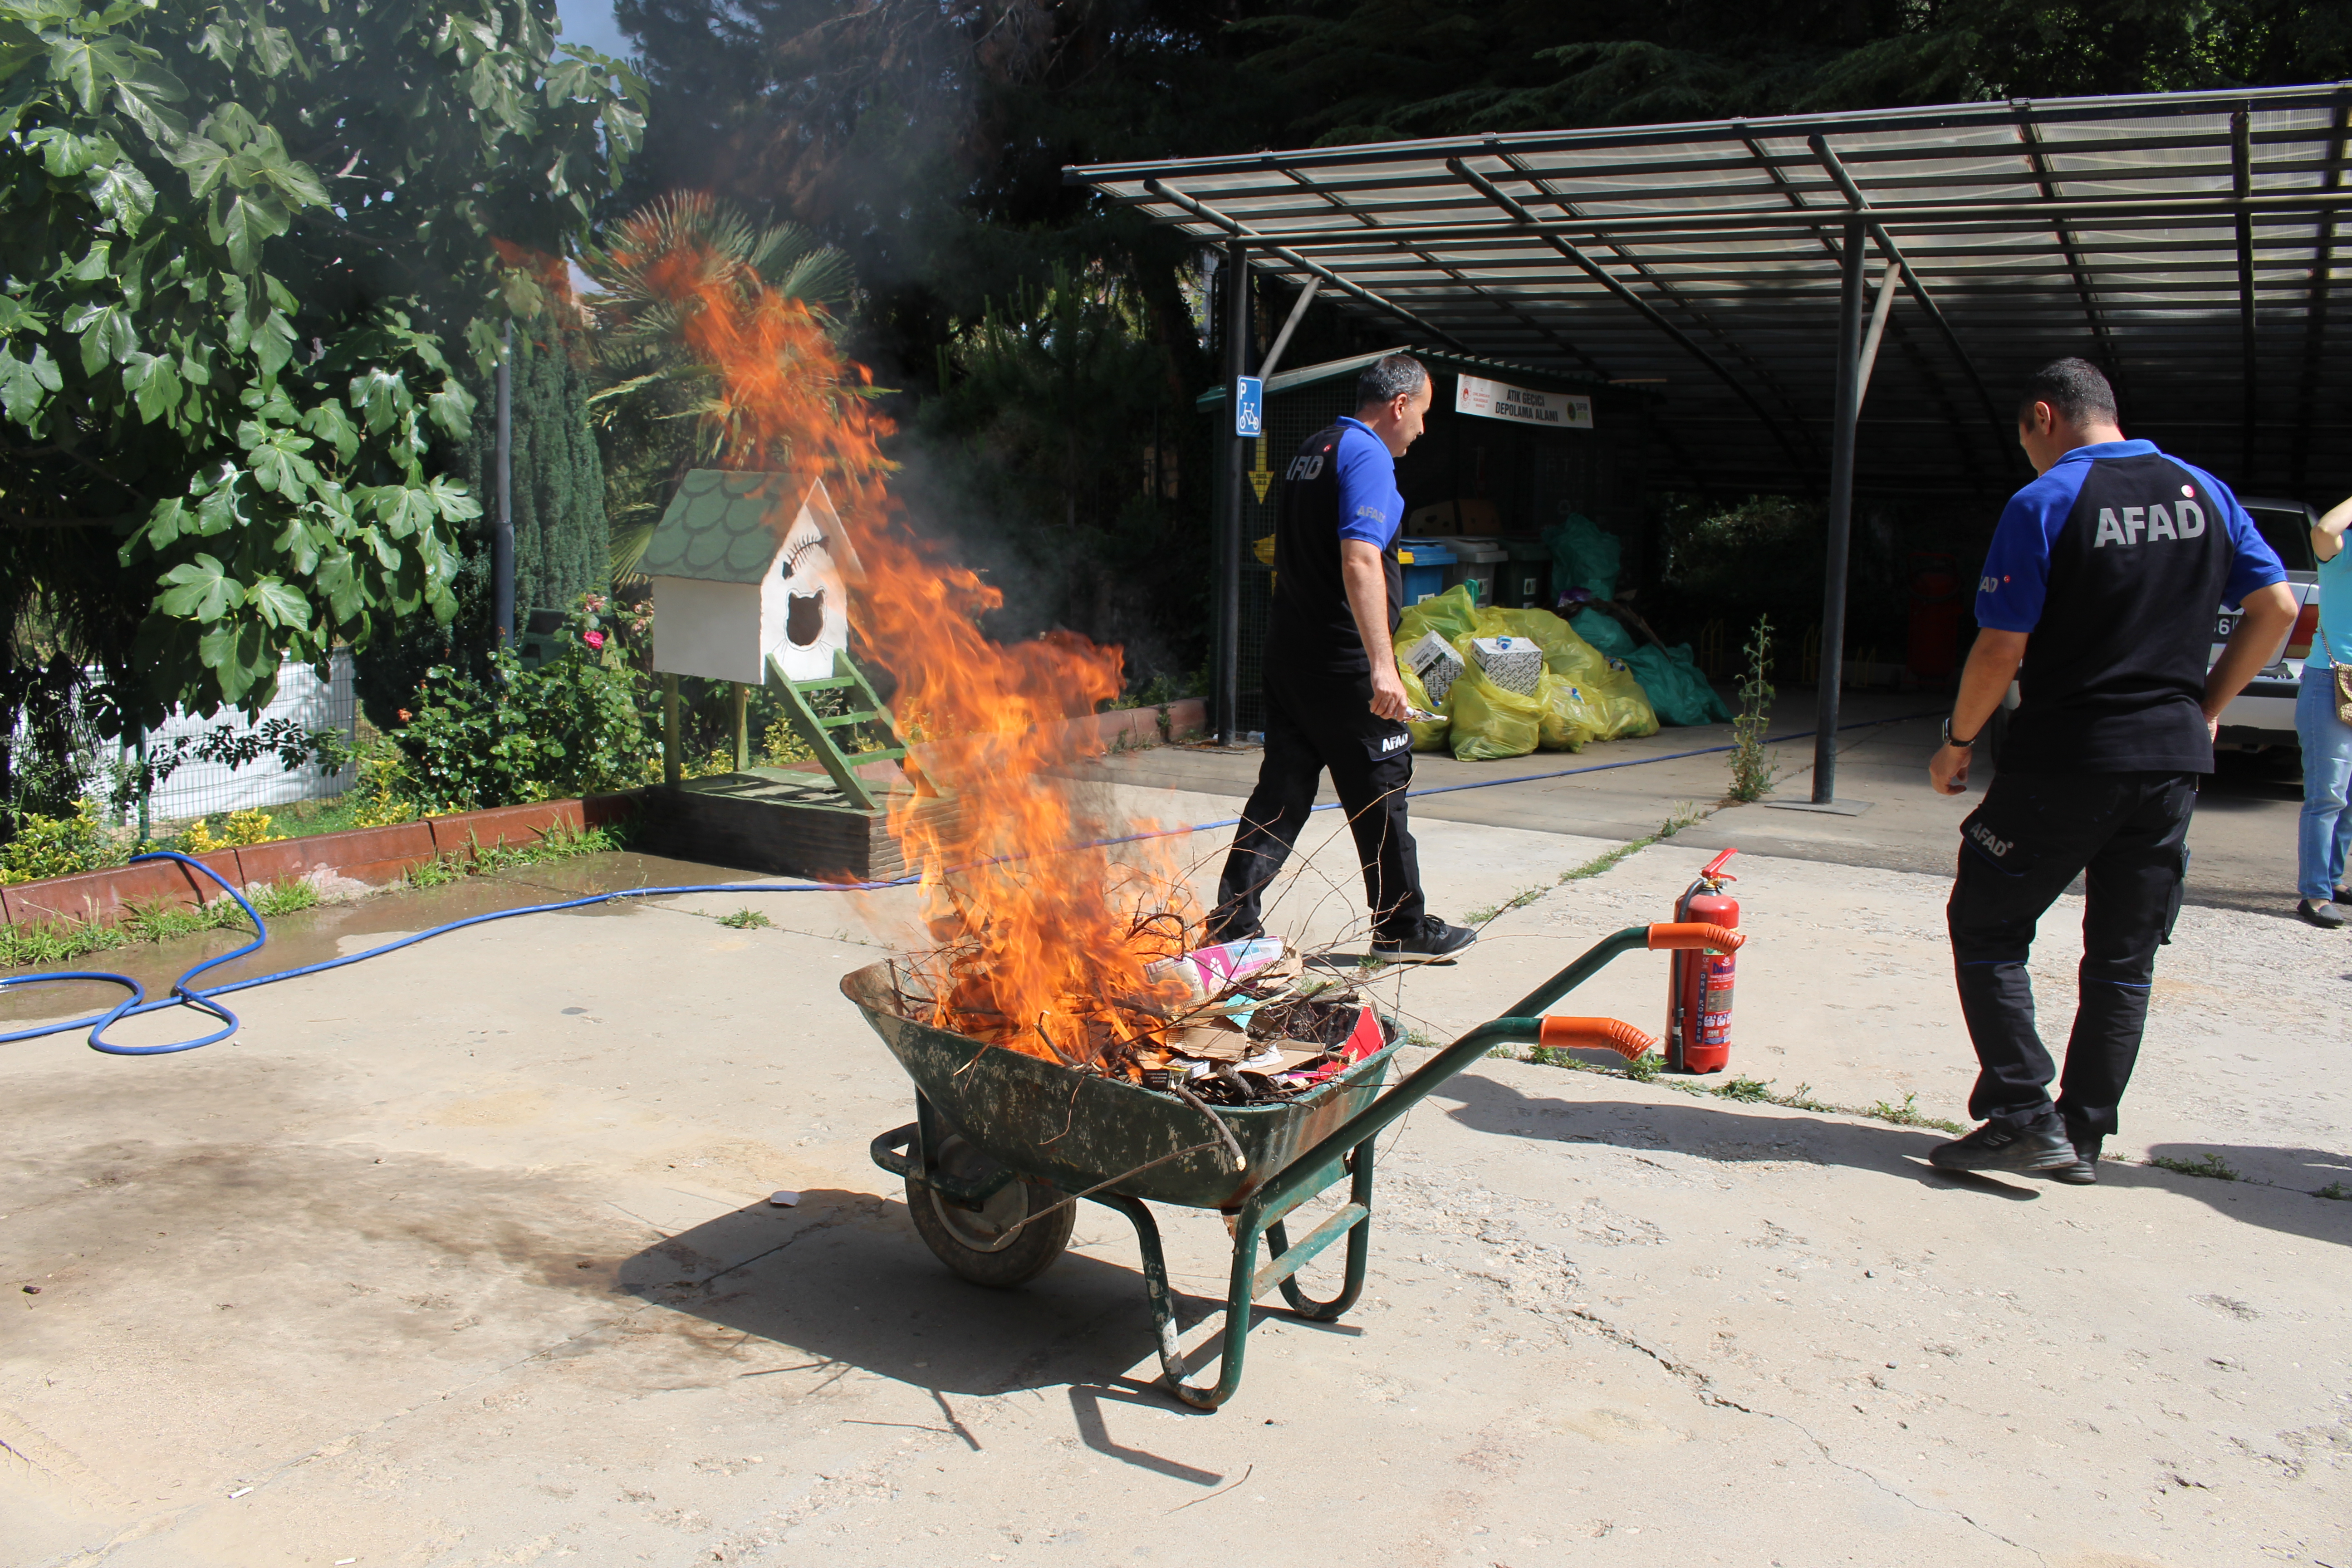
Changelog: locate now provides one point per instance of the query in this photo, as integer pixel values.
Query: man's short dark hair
(1391, 375)
(2075, 387)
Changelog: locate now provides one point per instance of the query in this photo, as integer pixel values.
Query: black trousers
(2126, 834)
(1313, 722)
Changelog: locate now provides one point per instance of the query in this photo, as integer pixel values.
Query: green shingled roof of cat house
(722, 527)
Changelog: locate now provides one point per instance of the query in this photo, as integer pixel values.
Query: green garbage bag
(1677, 691)
(1605, 632)
(1624, 709)
(1565, 653)
(1452, 615)
(1489, 722)
(1584, 556)
(1429, 737)
(1569, 720)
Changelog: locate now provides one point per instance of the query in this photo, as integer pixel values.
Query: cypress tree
(563, 542)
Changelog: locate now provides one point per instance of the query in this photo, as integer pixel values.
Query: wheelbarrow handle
(1596, 1034)
(1524, 1025)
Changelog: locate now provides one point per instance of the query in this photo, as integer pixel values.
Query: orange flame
(1047, 946)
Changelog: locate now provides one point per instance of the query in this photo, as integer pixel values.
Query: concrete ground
(462, 1257)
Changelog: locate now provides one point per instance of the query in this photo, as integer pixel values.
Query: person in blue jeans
(2326, 830)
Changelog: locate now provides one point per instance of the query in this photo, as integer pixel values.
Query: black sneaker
(1435, 939)
(2084, 1171)
(1993, 1147)
(2324, 916)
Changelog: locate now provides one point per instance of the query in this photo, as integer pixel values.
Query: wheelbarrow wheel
(980, 1243)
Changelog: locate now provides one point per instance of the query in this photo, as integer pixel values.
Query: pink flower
(593, 639)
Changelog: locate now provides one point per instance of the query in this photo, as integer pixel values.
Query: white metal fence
(200, 788)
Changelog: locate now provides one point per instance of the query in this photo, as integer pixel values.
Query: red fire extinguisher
(1698, 994)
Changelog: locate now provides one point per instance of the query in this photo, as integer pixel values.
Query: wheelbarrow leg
(1155, 1282)
(1359, 1247)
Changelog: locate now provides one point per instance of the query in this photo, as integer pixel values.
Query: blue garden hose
(184, 994)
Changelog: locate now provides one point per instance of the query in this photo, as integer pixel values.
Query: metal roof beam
(2242, 180)
(1911, 350)
(1601, 276)
(2315, 310)
(2035, 155)
(1666, 287)
(1926, 301)
(1910, 216)
(1354, 291)
(1939, 119)
(1501, 302)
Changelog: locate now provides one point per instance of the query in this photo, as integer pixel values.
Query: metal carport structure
(2186, 242)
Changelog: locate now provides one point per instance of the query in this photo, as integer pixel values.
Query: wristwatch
(1951, 739)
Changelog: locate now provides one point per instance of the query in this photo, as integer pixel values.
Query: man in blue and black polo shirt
(1333, 697)
(2098, 598)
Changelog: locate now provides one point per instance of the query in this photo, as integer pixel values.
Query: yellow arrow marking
(1261, 476)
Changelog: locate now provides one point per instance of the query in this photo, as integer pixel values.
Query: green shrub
(59, 847)
(574, 726)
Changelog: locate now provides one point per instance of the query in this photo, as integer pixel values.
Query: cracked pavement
(462, 1257)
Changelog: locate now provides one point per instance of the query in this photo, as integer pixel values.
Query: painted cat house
(745, 566)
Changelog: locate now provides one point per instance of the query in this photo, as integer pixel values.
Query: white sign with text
(1500, 400)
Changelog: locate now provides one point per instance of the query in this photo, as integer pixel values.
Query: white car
(2263, 715)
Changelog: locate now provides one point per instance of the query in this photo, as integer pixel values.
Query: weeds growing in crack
(2211, 1165)
(1742, 1089)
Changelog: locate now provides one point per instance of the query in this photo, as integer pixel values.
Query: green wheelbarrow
(1003, 1145)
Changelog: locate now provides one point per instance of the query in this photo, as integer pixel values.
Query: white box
(1515, 664)
(1433, 658)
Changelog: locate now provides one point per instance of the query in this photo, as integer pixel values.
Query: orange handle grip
(1597, 1033)
(1694, 934)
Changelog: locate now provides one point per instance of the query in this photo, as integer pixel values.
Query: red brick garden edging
(373, 854)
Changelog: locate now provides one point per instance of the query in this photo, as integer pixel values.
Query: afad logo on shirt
(2156, 522)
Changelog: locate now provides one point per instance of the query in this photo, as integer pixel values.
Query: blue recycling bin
(1424, 561)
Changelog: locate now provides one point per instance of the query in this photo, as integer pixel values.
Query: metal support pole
(1841, 518)
(1229, 534)
(742, 727)
(673, 764)
(502, 563)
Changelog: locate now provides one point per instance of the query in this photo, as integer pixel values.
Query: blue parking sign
(1249, 406)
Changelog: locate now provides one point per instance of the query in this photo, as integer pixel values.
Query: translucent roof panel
(2186, 242)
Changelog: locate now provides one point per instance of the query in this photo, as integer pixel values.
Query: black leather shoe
(2084, 1171)
(2342, 896)
(1435, 939)
(1993, 1147)
(2324, 916)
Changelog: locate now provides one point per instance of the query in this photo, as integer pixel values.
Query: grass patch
(746, 920)
(1743, 1089)
(478, 859)
(2212, 1166)
(61, 941)
(2336, 1189)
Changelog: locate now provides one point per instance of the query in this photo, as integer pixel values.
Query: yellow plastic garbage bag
(1452, 615)
(1429, 737)
(1569, 719)
(1488, 721)
(1565, 653)
(1624, 707)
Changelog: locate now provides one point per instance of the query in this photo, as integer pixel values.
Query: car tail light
(2306, 627)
